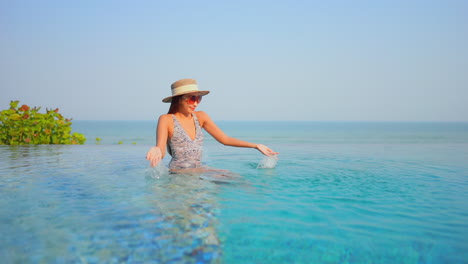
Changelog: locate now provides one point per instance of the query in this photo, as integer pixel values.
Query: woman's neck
(181, 115)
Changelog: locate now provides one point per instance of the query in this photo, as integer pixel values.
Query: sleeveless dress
(186, 153)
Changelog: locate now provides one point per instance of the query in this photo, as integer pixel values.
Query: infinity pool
(322, 203)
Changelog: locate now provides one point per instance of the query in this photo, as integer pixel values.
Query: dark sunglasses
(191, 99)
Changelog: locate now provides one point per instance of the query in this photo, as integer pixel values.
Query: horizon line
(311, 121)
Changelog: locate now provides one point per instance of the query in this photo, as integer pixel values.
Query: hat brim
(169, 99)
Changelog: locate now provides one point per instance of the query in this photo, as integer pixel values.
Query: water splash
(158, 171)
(268, 162)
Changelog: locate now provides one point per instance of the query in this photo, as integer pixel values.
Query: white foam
(269, 162)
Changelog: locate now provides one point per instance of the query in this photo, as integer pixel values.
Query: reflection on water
(23, 158)
(189, 207)
(323, 203)
(93, 204)
(188, 202)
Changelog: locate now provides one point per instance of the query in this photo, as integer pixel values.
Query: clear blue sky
(262, 60)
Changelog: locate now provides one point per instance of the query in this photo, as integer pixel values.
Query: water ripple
(321, 203)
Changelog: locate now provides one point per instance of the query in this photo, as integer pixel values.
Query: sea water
(339, 192)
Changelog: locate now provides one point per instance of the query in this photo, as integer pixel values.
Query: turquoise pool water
(340, 193)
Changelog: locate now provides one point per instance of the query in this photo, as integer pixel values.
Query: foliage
(25, 125)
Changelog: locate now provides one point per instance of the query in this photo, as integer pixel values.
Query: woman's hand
(266, 150)
(154, 155)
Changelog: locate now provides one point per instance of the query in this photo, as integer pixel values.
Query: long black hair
(174, 104)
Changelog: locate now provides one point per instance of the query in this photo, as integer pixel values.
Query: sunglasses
(191, 99)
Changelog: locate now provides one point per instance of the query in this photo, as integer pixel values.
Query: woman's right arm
(157, 153)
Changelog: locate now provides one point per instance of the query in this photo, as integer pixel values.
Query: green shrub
(25, 125)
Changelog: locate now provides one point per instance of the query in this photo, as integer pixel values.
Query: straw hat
(184, 86)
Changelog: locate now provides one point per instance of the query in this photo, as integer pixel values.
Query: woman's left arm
(224, 139)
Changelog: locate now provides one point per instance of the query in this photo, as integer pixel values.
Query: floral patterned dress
(186, 153)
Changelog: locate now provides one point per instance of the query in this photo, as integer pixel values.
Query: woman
(180, 129)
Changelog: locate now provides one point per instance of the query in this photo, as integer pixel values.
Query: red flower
(24, 108)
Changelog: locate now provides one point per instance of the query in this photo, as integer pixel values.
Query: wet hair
(174, 104)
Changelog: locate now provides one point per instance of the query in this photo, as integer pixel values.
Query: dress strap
(196, 120)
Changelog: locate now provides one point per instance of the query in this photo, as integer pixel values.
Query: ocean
(340, 192)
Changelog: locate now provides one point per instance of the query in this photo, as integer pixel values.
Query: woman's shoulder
(165, 118)
(166, 121)
(202, 116)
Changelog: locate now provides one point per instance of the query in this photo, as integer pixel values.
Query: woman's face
(189, 102)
